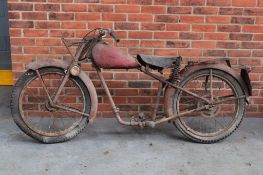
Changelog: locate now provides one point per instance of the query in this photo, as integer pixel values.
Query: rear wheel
(34, 115)
(218, 121)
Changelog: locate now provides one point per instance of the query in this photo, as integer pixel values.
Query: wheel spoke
(52, 121)
(219, 123)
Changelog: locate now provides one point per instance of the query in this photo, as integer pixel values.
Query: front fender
(82, 75)
(47, 63)
(93, 95)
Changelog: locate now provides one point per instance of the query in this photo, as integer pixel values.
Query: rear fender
(169, 91)
(82, 75)
(240, 74)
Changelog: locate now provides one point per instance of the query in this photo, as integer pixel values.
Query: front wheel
(216, 122)
(35, 116)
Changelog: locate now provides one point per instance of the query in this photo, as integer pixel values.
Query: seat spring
(175, 76)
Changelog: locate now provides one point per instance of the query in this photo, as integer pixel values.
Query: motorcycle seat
(156, 62)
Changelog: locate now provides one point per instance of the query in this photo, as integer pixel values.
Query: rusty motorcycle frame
(102, 55)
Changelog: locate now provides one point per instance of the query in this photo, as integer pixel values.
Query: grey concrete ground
(109, 148)
(5, 92)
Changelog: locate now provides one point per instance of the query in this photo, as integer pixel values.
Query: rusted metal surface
(173, 116)
(169, 101)
(83, 76)
(160, 89)
(68, 108)
(246, 79)
(147, 123)
(62, 84)
(233, 72)
(168, 96)
(216, 61)
(93, 95)
(44, 86)
(109, 57)
(114, 108)
(161, 79)
(67, 45)
(47, 63)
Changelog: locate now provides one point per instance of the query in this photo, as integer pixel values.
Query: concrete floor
(109, 148)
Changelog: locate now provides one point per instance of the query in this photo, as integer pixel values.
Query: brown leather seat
(156, 62)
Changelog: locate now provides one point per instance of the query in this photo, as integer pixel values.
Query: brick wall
(195, 29)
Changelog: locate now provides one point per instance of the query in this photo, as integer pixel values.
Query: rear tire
(47, 136)
(217, 113)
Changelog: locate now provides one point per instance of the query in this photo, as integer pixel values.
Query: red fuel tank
(109, 57)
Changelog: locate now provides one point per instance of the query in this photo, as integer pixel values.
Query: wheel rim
(222, 116)
(39, 116)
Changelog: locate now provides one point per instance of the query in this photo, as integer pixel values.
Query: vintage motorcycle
(54, 100)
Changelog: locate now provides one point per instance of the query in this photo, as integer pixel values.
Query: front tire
(33, 115)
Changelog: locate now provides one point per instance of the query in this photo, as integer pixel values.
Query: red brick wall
(194, 29)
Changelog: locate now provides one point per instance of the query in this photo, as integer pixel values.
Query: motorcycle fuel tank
(109, 57)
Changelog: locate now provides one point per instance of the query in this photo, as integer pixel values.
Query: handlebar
(112, 33)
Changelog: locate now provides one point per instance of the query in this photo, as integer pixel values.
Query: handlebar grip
(112, 33)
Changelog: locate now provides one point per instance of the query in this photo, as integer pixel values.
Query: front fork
(53, 101)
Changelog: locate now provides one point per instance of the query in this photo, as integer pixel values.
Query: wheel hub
(211, 111)
(49, 107)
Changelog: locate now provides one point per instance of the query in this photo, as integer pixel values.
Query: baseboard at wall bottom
(6, 77)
